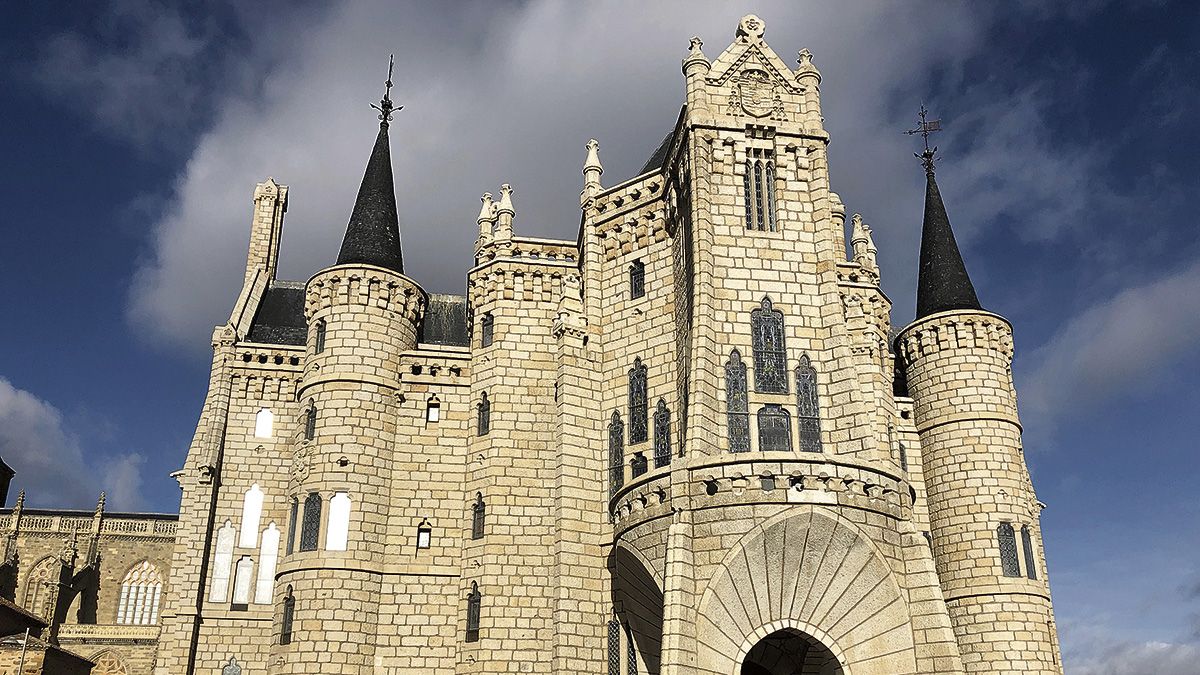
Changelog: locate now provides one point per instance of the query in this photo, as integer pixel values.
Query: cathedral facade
(687, 442)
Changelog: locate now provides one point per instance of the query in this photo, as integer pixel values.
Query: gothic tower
(984, 516)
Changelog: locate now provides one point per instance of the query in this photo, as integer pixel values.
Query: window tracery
(662, 435)
(808, 409)
(774, 429)
(638, 403)
(770, 356)
(736, 403)
(1008, 550)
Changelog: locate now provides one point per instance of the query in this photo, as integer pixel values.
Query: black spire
(942, 281)
(373, 234)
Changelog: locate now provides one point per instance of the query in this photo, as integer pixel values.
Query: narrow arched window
(662, 435)
(485, 415)
(433, 409)
(736, 404)
(264, 424)
(1027, 545)
(614, 647)
(638, 465)
(310, 421)
(903, 457)
(243, 575)
(487, 327)
(616, 454)
(289, 616)
(268, 556)
(337, 533)
(808, 412)
(637, 280)
(140, 592)
(748, 193)
(638, 403)
(222, 563)
(477, 515)
(1008, 550)
(760, 223)
(769, 182)
(474, 599)
(319, 339)
(310, 526)
(770, 357)
(252, 502)
(774, 429)
(758, 190)
(292, 524)
(630, 651)
(37, 588)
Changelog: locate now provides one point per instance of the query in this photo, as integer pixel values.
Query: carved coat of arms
(755, 91)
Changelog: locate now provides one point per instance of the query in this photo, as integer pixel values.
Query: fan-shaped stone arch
(108, 662)
(637, 596)
(812, 571)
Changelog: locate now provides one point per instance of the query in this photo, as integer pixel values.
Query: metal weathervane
(385, 106)
(926, 127)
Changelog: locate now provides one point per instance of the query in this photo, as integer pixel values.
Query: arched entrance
(790, 652)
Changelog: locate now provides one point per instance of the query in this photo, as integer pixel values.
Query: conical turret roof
(942, 282)
(373, 233)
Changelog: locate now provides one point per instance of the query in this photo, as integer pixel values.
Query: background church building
(689, 441)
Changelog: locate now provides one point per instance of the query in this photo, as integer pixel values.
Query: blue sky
(136, 131)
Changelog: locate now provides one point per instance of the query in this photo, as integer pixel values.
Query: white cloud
(1122, 342)
(49, 460)
(1137, 658)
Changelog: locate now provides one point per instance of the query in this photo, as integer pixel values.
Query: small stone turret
(695, 67)
(486, 221)
(810, 78)
(983, 513)
(266, 229)
(504, 215)
(863, 245)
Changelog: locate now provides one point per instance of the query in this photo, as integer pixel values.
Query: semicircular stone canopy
(813, 571)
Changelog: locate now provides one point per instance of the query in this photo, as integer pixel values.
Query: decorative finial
(385, 106)
(488, 211)
(506, 205)
(926, 127)
(750, 29)
(100, 503)
(593, 156)
(695, 44)
(20, 501)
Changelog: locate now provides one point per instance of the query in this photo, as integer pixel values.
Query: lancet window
(1008, 550)
(487, 327)
(1027, 545)
(295, 515)
(289, 616)
(616, 454)
(770, 357)
(630, 651)
(614, 647)
(736, 403)
(638, 403)
(310, 421)
(243, 574)
(808, 411)
(474, 600)
(774, 429)
(252, 502)
(310, 526)
(637, 279)
(319, 339)
(638, 465)
(268, 556)
(222, 563)
(264, 424)
(485, 415)
(140, 592)
(337, 532)
(477, 516)
(758, 187)
(662, 435)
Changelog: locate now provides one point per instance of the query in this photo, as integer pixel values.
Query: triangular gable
(749, 50)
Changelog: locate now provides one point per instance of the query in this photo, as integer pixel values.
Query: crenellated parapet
(353, 286)
(957, 330)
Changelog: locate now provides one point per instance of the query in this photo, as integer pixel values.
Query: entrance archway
(790, 652)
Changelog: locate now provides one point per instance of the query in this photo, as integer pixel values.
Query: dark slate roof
(373, 233)
(942, 280)
(659, 157)
(445, 321)
(280, 316)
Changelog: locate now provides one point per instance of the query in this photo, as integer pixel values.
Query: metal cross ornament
(385, 106)
(925, 127)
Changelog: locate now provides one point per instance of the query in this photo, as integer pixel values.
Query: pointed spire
(942, 283)
(373, 233)
(505, 213)
(592, 170)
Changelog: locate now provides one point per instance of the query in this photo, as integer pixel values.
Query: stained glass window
(637, 279)
(737, 406)
(310, 421)
(758, 188)
(1027, 545)
(769, 180)
(638, 412)
(638, 465)
(485, 415)
(770, 357)
(662, 435)
(310, 527)
(473, 607)
(289, 614)
(774, 429)
(808, 413)
(748, 194)
(614, 647)
(1008, 550)
(291, 544)
(477, 514)
(487, 326)
(616, 454)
